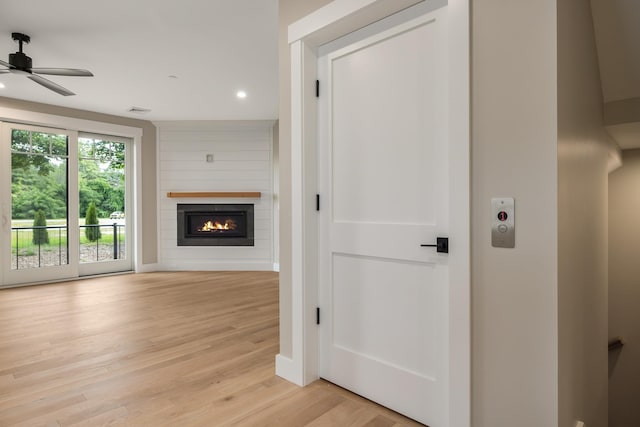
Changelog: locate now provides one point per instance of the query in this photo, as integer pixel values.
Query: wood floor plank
(159, 349)
(348, 412)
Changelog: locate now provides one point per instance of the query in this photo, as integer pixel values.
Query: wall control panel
(503, 225)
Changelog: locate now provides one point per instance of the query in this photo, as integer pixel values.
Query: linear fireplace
(215, 225)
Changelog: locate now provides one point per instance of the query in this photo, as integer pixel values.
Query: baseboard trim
(147, 268)
(220, 266)
(285, 368)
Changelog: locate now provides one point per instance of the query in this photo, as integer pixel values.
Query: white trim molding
(147, 268)
(220, 266)
(285, 368)
(331, 22)
(341, 17)
(71, 123)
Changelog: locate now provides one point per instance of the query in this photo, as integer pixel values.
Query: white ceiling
(617, 39)
(213, 47)
(617, 27)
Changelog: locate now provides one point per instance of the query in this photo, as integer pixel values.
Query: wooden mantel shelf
(229, 194)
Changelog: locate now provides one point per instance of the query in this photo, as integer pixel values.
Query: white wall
(624, 291)
(242, 161)
(276, 196)
(514, 154)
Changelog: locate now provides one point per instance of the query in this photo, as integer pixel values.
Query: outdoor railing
(22, 247)
(27, 252)
(116, 248)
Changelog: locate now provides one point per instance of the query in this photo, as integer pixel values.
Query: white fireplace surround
(215, 156)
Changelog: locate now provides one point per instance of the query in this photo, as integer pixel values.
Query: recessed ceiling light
(241, 94)
(1, 85)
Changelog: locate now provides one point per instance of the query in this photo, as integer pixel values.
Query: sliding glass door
(38, 187)
(103, 170)
(63, 201)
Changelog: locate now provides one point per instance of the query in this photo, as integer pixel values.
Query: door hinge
(317, 88)
(317, 315)
(317, 202)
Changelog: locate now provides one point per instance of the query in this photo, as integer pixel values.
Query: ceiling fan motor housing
(20, 61)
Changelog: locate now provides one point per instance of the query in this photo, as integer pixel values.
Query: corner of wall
(585, 154)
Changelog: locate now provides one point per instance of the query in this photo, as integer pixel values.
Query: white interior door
(384, 183)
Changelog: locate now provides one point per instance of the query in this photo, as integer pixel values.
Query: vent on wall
(139, 110)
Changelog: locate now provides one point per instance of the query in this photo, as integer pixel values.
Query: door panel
(37, 188)
(370, 302)
(384, 165)
(104, 162)
(379, 114)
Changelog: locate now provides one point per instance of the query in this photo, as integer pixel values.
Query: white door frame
(337, 19)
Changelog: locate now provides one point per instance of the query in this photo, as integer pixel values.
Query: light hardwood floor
(159, 349)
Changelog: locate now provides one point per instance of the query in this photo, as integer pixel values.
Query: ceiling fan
(19, 63)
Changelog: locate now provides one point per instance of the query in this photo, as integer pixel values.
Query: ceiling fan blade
(63, 72)
(6, 64)
(51, 85)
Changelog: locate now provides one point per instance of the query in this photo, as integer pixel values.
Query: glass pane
(101, 183)
(59, 145)
(20, 140)
(40, 143)
(85, 148)
(39, 190)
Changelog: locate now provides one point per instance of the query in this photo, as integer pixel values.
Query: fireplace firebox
(215, 225)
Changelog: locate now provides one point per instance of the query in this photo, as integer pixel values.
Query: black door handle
(442, 245)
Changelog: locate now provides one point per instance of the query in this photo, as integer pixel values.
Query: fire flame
(229, 224)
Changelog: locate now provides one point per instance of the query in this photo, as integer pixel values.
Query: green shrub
(92, 233)
(40, 235)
